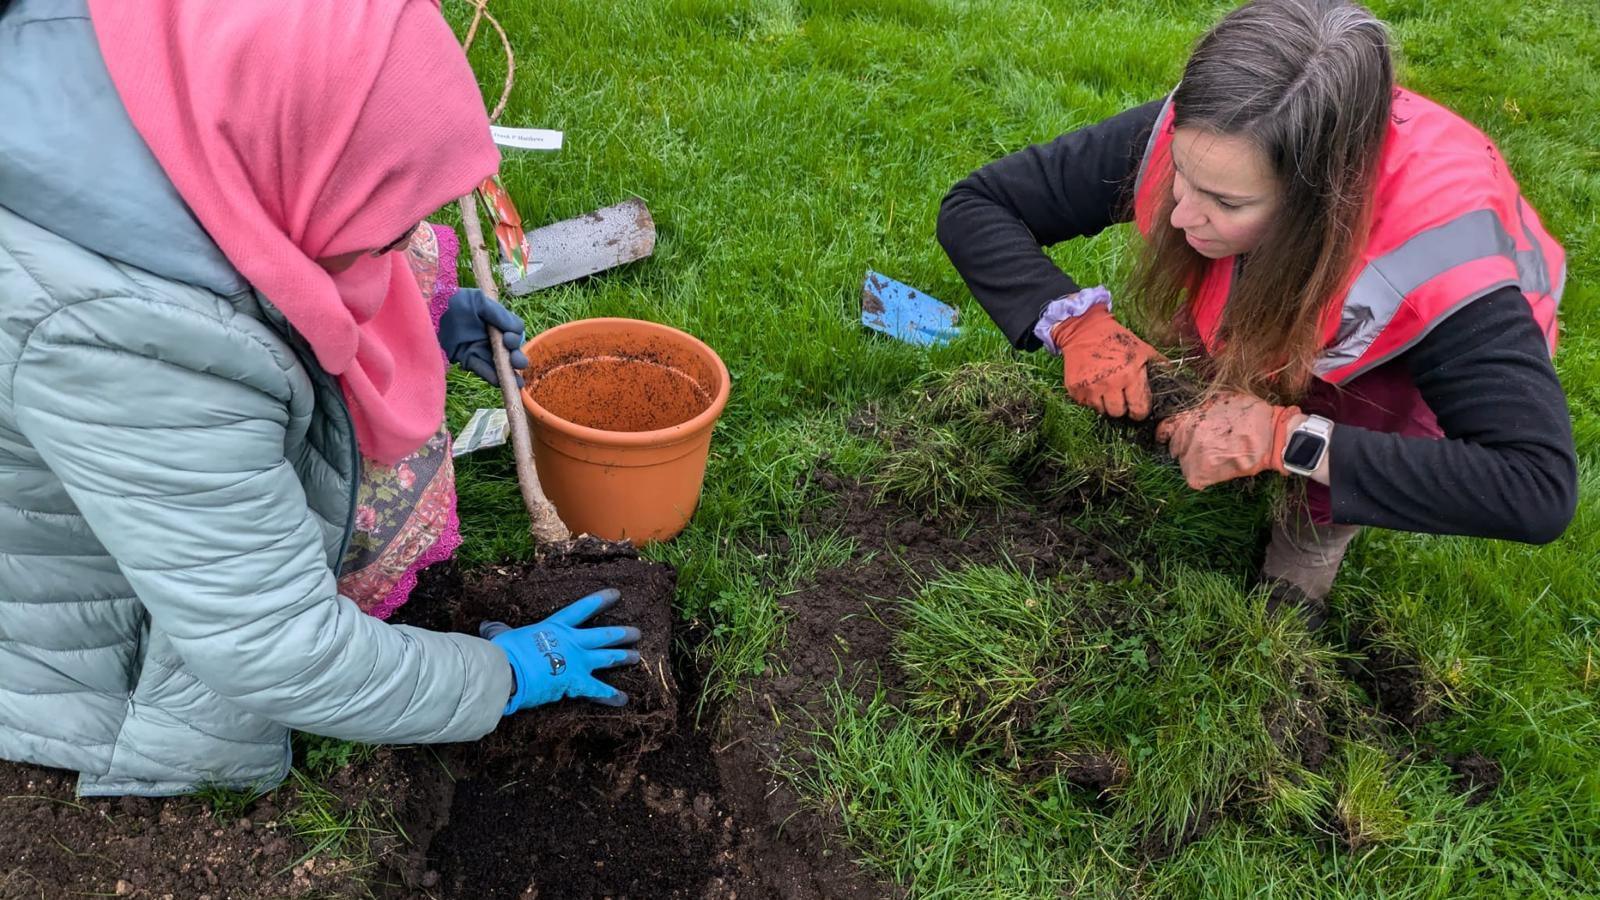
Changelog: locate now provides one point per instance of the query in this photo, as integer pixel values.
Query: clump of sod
(1174, 702)
(984, 648)
(963, 438)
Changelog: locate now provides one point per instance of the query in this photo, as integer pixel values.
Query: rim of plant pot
(655, 437)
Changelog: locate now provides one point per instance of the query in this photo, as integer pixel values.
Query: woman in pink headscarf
(227, 335)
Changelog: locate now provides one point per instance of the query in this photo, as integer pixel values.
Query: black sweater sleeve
(995, 222)
(1506, 467)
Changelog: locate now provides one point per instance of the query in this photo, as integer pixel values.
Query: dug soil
(520, 595)
(667, 797)
(56, 845)
(573, 800)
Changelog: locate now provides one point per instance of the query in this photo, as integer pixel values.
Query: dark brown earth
(56, 845)
(582, 800)
(1172, 390)
(663, 798)
(608, 822)
(520, 595)
(1476, 775)
(1393, 679)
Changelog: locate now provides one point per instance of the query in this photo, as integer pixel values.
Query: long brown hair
(1310, 82)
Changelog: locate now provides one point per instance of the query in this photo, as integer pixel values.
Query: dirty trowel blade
(571, 249)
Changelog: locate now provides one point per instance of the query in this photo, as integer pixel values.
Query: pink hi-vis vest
(1449, 226)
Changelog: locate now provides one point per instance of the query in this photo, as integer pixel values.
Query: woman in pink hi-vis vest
(1374, 300)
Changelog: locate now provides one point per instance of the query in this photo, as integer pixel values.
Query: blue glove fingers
(504, 319)
(595, 638)
(477, 364)
(579, 611)
(610, 659)
(596, 690)
(518, 360)
(491, 630)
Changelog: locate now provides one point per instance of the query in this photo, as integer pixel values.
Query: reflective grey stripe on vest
(1386, 281)
(1553, 284)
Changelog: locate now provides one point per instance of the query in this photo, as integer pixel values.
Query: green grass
(333, 829)
(787, 146)
(963, 438)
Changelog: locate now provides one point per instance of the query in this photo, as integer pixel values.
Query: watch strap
(1280, 436)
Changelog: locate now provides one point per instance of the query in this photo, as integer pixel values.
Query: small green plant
(332, 828)
(322, 756)
(227, 803)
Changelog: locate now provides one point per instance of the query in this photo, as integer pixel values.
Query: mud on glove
(1229, 436)
(556, 659)
(465, 340)
(1102, 364)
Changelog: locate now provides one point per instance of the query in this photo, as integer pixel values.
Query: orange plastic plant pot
(621, 413)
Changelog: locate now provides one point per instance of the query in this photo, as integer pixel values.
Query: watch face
(1304, 450)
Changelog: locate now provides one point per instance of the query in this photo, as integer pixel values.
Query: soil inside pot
(634, 391)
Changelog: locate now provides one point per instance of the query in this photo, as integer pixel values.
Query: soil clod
(1284, 596)
(1392, 678)
(522, 595)
(1476, 775)
(1173, 389)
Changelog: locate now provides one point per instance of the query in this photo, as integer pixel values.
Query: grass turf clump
(1238, 701)
(984, 647)
(963, 438)
(1368, 809)
(921, 814)
(1185, 700)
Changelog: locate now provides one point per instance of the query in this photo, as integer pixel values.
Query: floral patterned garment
(406, 513)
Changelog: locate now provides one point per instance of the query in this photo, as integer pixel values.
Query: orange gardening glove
(1102, 364)
(1229, 436)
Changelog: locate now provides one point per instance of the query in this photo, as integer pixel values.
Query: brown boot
(1302, 561)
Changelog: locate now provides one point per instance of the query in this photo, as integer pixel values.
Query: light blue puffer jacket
(176, 477)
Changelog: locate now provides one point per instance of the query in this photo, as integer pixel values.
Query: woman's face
(1225, 190)
(336, 265)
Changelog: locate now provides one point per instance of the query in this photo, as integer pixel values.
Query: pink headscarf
(303, 129)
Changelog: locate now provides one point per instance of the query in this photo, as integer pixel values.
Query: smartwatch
(1307, 445)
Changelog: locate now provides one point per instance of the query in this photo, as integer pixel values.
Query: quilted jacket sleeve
(167, 424)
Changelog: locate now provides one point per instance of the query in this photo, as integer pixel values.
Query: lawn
(784, 147)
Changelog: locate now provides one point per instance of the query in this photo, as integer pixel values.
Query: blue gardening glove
(556, 659)
(466, 343)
